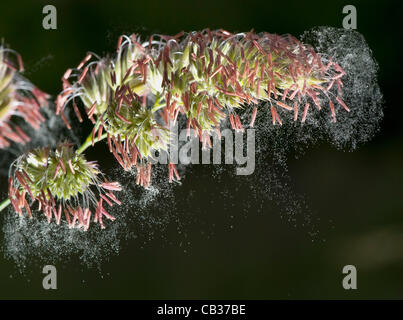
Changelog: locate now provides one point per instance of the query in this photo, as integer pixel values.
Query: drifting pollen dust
(270, 184)
(146, 212)
(271, 181)
(361, 89)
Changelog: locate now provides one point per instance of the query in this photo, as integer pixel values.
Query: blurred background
(226, 251)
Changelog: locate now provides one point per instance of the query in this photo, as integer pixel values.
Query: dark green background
(358, 196)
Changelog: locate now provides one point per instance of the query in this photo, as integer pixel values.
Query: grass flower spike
(205, 77)
(18, 98)
(114, 93)
(208, 73)
(63, 183)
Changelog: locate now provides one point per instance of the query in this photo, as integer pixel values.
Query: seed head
(208, 72)
(18, 98)
(133, 130)
(205, 77)
(63, 182)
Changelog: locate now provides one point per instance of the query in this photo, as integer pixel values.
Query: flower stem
(88, 143)
(4, 204)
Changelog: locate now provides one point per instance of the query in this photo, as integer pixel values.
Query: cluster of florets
(203, 76)
(63, 183)
(18, 98)
(133, 97)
